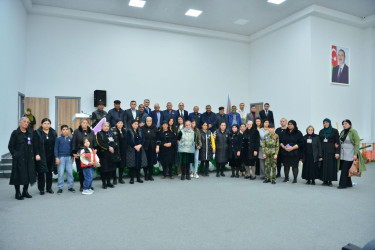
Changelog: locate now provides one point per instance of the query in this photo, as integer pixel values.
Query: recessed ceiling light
(194, 13)
(276, 1)
(137, 3)
(241, 21)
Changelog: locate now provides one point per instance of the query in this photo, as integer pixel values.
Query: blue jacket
(198, 120)
(230, 118)
(210, 119)
(154, 117)
(113, 116)
(168, 115)
(63, 146)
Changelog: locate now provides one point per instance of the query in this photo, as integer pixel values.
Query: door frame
(57, 106)
(257, 103)
(21, 105)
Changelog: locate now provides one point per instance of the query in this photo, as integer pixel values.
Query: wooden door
(39, 108)
(66, 109)
(258, 106)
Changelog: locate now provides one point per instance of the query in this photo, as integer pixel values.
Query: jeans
(65, 164)
(195, 169)
(88, 173)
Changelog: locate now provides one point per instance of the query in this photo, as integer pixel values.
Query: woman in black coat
(222, 148)
(150, 133)
(119, 132)
(207, 151)
(23, 169)
(135, 155)
(311, 154)
(44, 150)
(108, 153)
(250, 147)
(330, 140)
(166, 148)
(290, 144)
(81, 132)
(235, 145)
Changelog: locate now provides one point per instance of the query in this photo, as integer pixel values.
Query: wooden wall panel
(39, 107)
(66, 109)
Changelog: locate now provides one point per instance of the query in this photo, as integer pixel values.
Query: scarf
(343, 137)
(30, 116)
(327, 131)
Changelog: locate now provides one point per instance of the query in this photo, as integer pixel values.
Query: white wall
(12, 66)
(73, 58)
(278, 65)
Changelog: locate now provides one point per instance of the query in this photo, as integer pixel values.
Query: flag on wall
(229, 106)
(334, 56)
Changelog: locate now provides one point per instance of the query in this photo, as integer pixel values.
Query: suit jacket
(168, 115)
(344, 77)
(250, 117)
(148, 111)
(222, 118)
(269, 116)
(185, 115)
(113, 116)
(129, 117)
(198, 119)
(230, 118)
(154, 117)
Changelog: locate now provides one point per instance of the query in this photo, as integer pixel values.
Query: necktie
(338, 76)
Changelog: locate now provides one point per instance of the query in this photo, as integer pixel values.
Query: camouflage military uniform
(270, 148)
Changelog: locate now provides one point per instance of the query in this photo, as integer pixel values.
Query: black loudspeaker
(100, 95)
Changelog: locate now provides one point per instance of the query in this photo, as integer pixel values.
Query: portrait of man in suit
(340, 68)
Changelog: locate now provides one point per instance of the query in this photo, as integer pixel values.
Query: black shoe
(325, 183)
(188, 177)
(247, 177)
(121, 181)
(217, 175)
(146, 178)
(286, 180)
(139, 180)
(330, 184)
(266, 181)
(81, 189)
(26, 194)
(182, 177)
(19, 196)
(110, 185)
(222, 174)
(312, 182)
(308, 182)
(232, 176)
(252, 178)
(92, 188)
(104, 186)
(151, 178)
(295, 180)
(59, 191)
(71, 190)
(341, 187)
(41, 192)
(115, 182)
(131, 181)
(237, 176)
(50, 191)
(273, 182)
(278, 176)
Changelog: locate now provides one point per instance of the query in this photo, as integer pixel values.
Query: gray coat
(250, 117)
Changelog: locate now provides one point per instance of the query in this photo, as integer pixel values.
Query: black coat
(210, 119)
(150, 134)
(129, 117)
(167, 156)
(268, 117)
(222, 146)
(292, 138)
(45, 148)
(114, 115)
(107, 159)
(235, 145)
(316, 147)
(135, 159)
(206, 151)
(329, 146)
(121, 139)
(78, 136)
(250, 144)
(21, 148)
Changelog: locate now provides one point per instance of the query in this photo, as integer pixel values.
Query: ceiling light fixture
(276, 1)
(194, 13)
(137, 3)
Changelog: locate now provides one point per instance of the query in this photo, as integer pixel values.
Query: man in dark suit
(222, 117)
(181, 112)
(146, 104)
(116, 114)
(169, 113)
(340, 73)
(195, 116)
(266, 114)
(157, 116)
(131, 114)
(210, 118)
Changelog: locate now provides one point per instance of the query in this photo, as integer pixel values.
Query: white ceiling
(218, 15)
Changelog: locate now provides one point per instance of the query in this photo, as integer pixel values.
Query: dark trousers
(134, 172)
(220, 167)
(185, 169)
(120, 171)
(45, 180)
(205, 165)
(148, 171)
(106, 177)
(17, 187)
(279, 161)
(345, 180)
(80, 172)
(167, 168)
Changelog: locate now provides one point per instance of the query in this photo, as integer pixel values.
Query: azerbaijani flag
(334, 57)
(229, 106)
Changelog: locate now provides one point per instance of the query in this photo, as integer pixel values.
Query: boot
(150, 178)
(131, 172)
(217, 171)
(139, 176)
(18, 193)
(187, 172)
(222, 171)
(237, 173)
(26, 194)
(146, 173)
(232, 173)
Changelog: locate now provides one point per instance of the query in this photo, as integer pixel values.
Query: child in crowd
(89, 160)
(270, 148)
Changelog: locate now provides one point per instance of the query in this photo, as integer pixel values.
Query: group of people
(138, 138)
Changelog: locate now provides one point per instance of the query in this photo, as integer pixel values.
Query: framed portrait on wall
(340, 65)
